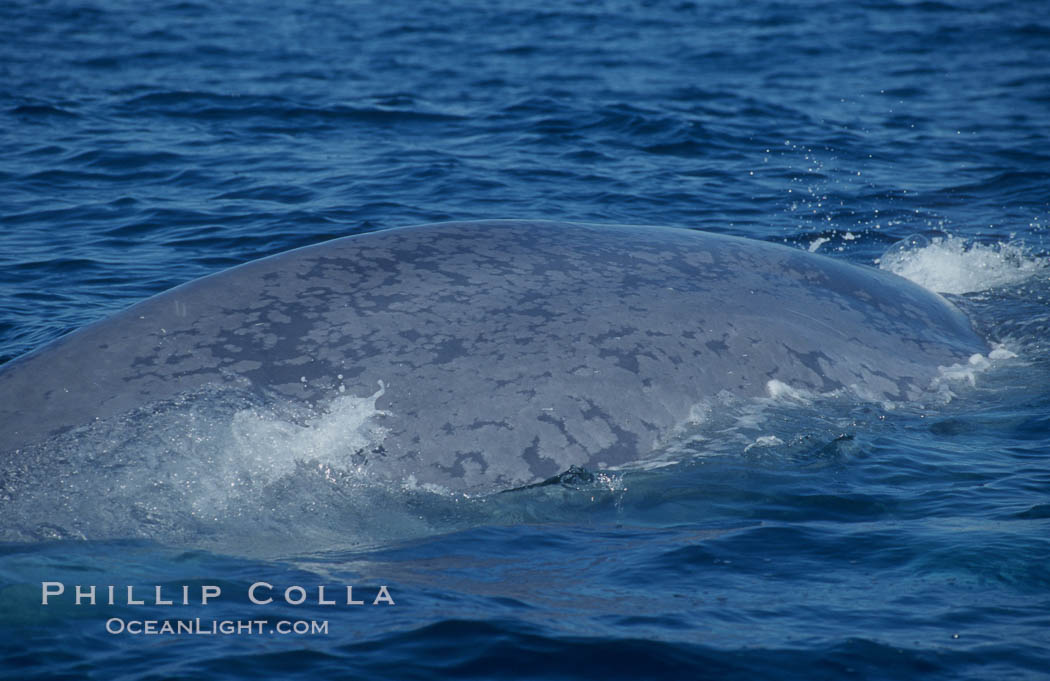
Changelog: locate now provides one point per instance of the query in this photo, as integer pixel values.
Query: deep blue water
(141, 147)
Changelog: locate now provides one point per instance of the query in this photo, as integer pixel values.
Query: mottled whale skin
(508, 351)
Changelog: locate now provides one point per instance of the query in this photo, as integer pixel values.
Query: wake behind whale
(473, 356)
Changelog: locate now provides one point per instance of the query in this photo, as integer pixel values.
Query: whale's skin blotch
(508, 351)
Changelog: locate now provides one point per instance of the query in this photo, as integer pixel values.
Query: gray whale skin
(507, 351)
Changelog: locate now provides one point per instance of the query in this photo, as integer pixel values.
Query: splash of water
(950, 264)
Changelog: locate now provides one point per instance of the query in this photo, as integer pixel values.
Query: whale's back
(507, 351)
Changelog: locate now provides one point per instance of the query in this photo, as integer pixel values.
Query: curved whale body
(506, 351)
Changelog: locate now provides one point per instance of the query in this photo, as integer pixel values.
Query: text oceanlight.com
(203, 627)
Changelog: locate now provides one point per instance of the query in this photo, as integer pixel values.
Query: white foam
(778, 390)
(764, 441)
(950, 377)
(224, 464)
(271, 445)
(953, 265)
(1000, 352)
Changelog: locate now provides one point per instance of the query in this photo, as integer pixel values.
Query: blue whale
(487, 355)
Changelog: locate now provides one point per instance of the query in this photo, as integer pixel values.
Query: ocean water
(808, 537)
